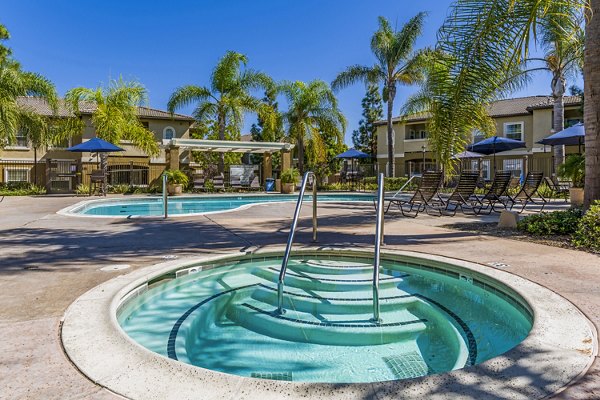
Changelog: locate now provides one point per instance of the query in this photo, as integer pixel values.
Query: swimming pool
(188, 205)
(220, 316)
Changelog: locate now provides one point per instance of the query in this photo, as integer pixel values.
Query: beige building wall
(536, 126)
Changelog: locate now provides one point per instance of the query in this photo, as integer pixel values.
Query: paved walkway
(48, 260)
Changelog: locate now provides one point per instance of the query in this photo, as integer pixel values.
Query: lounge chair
(497, 193)
(557, 188)
(530, 187)
(461, 196)
(423, 197)
(255, 184)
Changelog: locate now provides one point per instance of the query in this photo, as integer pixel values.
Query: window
(21, 139)
(168, 133)
(485, 168)
(515, 165)
(513, 130)
(16, 175)
(416, 134)
(572, 121)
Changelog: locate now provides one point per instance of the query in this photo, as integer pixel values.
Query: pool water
(222, 318)
(195, 205)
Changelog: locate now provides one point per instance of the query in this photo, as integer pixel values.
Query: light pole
(423, 167)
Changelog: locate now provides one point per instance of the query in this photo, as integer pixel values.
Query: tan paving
(48, 260)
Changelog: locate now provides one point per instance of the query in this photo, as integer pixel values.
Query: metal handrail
(164, 196)
(405, 185)
(288, 248)
(378, 242)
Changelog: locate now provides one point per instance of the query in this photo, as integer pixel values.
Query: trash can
(270, 185)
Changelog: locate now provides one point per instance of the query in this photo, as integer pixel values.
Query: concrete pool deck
(48, 260)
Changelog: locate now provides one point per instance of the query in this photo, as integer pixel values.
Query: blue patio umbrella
(495, 145)
(95, 145)
(353, 153)
(574, 135)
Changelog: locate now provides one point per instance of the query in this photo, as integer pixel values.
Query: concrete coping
(558, 351)
(74, 209)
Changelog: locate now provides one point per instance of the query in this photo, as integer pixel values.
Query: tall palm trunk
(559, 87)
(104, 168)
(221, 163)
(390, 130)
(592, 104)
(300, 145)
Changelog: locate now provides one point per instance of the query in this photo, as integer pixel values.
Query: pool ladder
(378, 240)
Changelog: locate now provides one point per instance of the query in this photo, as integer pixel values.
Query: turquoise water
(195, 205)
(222, 319)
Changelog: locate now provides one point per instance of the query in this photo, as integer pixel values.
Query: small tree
(365, 137)
(115, 116)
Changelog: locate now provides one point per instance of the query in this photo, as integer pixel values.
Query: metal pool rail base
(559, 349)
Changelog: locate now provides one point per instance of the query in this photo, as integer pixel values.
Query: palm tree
(14, 83)
(396, 64)
(563, 59)
(115, 116)
(486, 38)
(228, 98)
(312, 113)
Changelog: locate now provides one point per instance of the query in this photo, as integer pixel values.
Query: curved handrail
(378, 240)
(288, 248)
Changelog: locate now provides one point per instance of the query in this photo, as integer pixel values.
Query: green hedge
(20, 189)
(587, 234)
(552, 223)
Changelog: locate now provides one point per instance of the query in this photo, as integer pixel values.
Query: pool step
(356, 332)
(327, 284)
(330, 267)
(315, 304)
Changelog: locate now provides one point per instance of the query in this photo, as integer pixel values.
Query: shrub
(82, 189)
(588, 231)
(119, 189)
(291, 175)
(389, 183)
(552, 223)
(177, 177)
(20, 189)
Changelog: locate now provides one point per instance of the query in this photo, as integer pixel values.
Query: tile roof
(509, 107)
(40, 106)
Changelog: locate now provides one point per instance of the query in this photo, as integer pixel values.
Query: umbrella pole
(553, 168)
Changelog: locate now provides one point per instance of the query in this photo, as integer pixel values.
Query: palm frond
(186, 95)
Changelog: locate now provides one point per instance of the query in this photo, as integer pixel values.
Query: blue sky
(165, 44)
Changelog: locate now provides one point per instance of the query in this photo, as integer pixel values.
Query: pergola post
(172, 157)
(267, 167)
(286, 160)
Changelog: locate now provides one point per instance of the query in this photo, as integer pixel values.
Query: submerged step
(330, 267)
(360, 332)
(316, 304)
(328, 284)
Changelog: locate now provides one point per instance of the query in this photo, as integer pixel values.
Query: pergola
(174, 146)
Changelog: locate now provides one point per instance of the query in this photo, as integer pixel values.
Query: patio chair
(235, 182)
(460, 197)
(557, 188)
(497, 193)
(422, 198)
(530, 187)
(218, 182)
(97, 179)
(198, 180)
